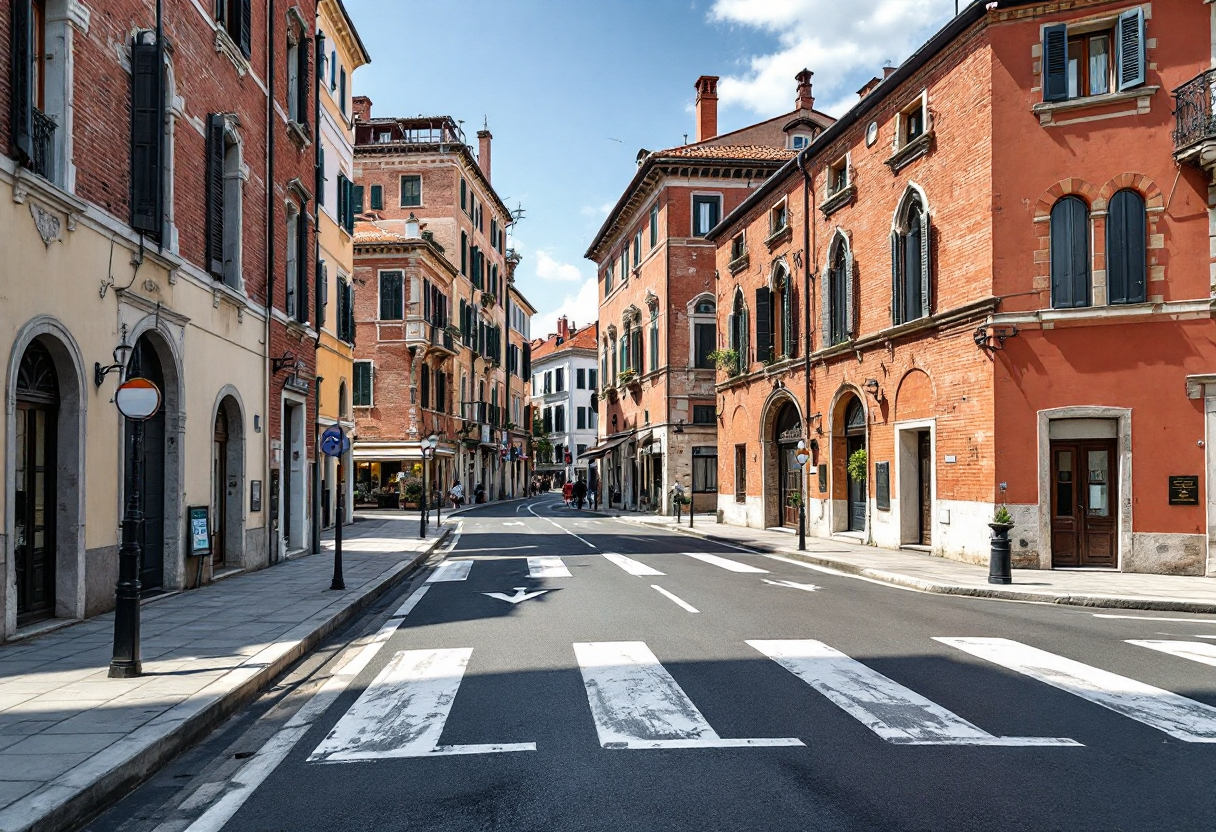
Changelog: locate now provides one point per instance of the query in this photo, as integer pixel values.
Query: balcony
(42, 152)
(1195, 121)
(441, 338)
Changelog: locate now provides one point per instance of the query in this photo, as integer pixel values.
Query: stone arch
(228, 401)
(1137, 182)
(70, 468)
(775, 406)
(899, 220)
(915, 398)
(778, 274)
(838, 443)
(1066, 187)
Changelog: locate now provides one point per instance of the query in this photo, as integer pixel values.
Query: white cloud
(580, 308)
(843, 43)
(549, 268)
(596, 211)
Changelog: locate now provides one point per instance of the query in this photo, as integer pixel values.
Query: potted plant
(626, 376)
(792, 501)
(1000, 566)
(412, 489)
(727, 360)
(858, 465)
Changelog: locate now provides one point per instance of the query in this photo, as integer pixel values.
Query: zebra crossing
(551, 566)
(636, 704)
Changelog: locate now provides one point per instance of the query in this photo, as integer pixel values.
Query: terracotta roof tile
(369, 232)
(731, 151)
(583, 339)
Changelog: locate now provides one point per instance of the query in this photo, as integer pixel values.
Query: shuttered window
(363, 384)
(147, 135)
(322, 298)
(302, 266)
(424, 385)
(377, 197)
(411, 191)
(392, 296)
(764, 324)
(706, 211)
(910, 262)
(1096, 61)
(838, 305)
(1070, 277)
(215, 194)
(654, 225)
(1126, 248)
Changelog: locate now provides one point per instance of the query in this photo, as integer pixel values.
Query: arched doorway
(150, 465)
(855, 440)
(35, 550)
(787, 431)
(219, 488)
(227, 478)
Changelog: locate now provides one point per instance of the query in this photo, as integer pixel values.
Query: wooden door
(35, 513)
(1084, 502)
(151, 469)
(857, 489)
(925, 492)
(219, 489)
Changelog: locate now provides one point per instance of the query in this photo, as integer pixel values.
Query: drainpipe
(272, 542)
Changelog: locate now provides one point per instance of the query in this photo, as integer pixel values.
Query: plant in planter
(1002, 517)
(412, 489)
(727, 360)
(626, 376)
(858, 465)
(794, 500)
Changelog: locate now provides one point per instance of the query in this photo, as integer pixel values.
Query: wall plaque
(823, 478)
(1184, 490)
(255, 495)
(882, 485)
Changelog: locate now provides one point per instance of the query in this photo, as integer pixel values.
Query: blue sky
(572, 89)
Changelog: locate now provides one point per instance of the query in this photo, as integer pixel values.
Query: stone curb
(1120, 602)
(72, 802)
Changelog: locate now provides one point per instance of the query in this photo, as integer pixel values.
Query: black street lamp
(803, 456)
(428, 450)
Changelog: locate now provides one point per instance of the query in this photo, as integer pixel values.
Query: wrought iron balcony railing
(42, 159)
(1194, 119)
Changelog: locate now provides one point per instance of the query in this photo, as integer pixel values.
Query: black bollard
(999, 561)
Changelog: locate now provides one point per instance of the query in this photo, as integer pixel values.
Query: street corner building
(989, 284)
(564, 384)
(658, 331)
(159, 203)
(439, 327)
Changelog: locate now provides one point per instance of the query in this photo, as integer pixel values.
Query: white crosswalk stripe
(403, 711)
(451, 570)
(1182, 718)
(630, 565)
(637, 704)
(889, 709)
(547, 567)
(726, 563)
(1196, 651)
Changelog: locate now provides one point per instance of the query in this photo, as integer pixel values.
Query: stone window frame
(900, 228)
(695, 318)
(840, 237)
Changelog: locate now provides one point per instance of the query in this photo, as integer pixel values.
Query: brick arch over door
(770, 450)
(915, 398)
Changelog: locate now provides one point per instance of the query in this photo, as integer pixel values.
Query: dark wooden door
(151, 469)
(789, 475)
(1083, 504)
(288, 432)
(219, 490)
(925, 492)
(35, 512)
(857, 489)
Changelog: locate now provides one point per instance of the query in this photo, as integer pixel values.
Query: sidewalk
(72, 740)
(1119, 590)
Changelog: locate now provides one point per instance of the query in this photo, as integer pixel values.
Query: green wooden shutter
(764, 324)
(896, 266)
(1055, 63)
(147, 136)
(322, 292)
(826, 337)
(377, 197)
(850, 311)
(356, 202)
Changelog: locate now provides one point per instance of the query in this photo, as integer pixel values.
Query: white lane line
(241, 786)
(1151, 618)
(814, 566)
(630, 565)
(451, 545)
(547, 567)
(636, 703)
(1164, 710)
(403, 711)
(451, 570)
(1196, 651)
(567, 531)
(725, 563)
(897, 714)
(681, 602)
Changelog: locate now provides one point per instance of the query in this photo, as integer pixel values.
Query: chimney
(483, 152)
(362, 107)
(707, 107)
(869, 87)
(805, 100)
(887, 71)
(563, 328)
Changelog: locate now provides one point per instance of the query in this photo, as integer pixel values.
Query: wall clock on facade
(872, 134)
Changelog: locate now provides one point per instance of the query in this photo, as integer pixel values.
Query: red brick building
(421, 170)
(1008, 301)
(657, 323)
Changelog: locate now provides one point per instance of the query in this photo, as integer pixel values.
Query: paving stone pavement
(1089, 588)
(71, 738)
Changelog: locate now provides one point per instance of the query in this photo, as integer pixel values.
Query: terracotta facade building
(657, 323)
(1001, 299)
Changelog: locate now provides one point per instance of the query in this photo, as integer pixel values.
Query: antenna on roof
(685, 138)
(485, 123)
(518, 213)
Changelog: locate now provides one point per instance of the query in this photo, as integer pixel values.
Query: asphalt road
(793, 698)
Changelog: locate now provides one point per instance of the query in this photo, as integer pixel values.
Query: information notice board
(200, 530)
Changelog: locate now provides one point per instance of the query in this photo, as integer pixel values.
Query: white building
(564, 382)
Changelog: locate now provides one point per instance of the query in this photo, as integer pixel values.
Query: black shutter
(305, 82)
(356, 201)
(246, 28)
(424, 384)
(791, 302)
(350, 313)
(23, 77)
(764, 324)
(302, 265)
(1069, 254)
(527, 361)
(322, 292)
(215, 194)
(147, 134)
(1126, 254)
(1055, 63)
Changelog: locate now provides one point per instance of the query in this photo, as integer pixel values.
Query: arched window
(702, 315)
(612, 354)
(838, 290)
(343, 401)
(654, 336)
(1070, 279)
(1126, 248)
(739, 333)
(775, 317)
(911, 269)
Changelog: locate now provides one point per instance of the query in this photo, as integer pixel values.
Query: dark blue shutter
(342, 91)
(1055, 63)
(1069, 254)
(320, 56)
(1129, 48)
(215, 194)
(356, 203)
(147, 135)
(23, 77)
(764, 324)
(1126, 248)
(246, 28)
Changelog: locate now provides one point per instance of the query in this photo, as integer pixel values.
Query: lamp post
(434, 440)
(428, 449)
(803, 456)
(137, 400)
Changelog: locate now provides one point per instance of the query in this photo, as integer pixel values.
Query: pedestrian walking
(567, 493)
(456, 492)
(580, 493)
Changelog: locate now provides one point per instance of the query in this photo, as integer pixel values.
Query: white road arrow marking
(521, 594)
(794, 585)
(513, 524)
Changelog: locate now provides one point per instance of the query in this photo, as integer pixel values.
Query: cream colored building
(339, 201)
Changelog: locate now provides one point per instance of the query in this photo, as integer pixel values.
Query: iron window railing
(42, 159)
(1194, 119)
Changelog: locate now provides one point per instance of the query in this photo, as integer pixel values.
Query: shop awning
(603, 448)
